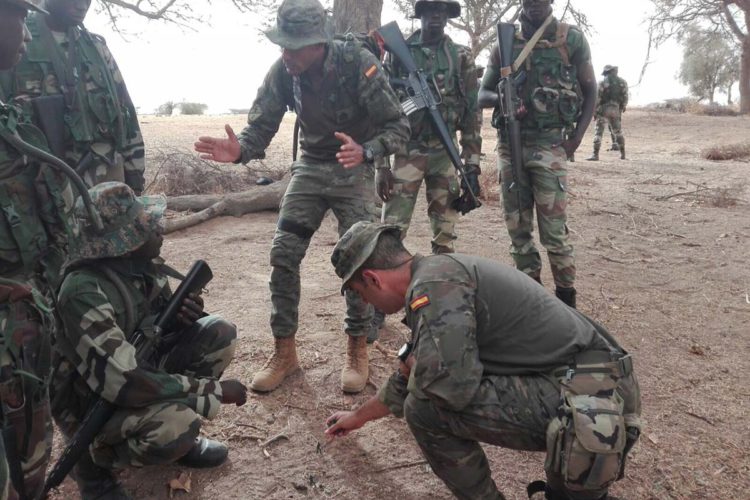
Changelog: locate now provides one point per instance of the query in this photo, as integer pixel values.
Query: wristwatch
(405, 351)
(368, 153)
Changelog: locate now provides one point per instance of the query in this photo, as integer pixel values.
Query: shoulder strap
(531, 44)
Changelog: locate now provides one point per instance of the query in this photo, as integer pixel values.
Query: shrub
(192, 108)
(165, 109)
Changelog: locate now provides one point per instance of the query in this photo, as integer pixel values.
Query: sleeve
(580, 52)
(625, 93)
(471, 137)
(383, 107)
(266, 114)
(447, 368)
(393, 394)
(107, 361)
(133, 149)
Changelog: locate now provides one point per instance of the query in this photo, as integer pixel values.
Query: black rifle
(511, 106)
(145, 344)
(420, 97)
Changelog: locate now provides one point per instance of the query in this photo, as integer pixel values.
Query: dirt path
(662, 267)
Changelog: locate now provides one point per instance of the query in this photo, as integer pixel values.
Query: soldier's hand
(569, 145)
(192, 309)
(350, 153)
(233, 392)
(384, 182)
(342, 423)
(222, 150)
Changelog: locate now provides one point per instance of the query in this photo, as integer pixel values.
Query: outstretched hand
(350, 153)
(222, 150)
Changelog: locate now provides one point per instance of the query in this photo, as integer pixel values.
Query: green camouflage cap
(356, 246)
(27, 4)
(454, 8)
(129, 221)
(609, 68)
(299, 23)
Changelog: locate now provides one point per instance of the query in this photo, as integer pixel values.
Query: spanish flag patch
(371, 71)
(419, 303)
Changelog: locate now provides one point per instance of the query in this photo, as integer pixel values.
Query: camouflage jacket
(96, 354)
(612, 90)
(471, 317)
(37, 219)
(99, 116)
(354, 97)
(451, 67)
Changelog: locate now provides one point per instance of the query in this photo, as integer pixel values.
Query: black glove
(466, 203)
(384, 182)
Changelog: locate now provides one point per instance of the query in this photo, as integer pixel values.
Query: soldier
(349, 118)
(116, 284)
(611, 103)
(492, 358)
(36, 224)
(71, 84)
(451, 67)
(558, 71)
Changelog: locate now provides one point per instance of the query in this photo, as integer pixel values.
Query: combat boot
(622, 153)
(355, 372)
(205, 453)
(614, 147)
(97, 483)
(279, 366)
(567, 295)
(595, 155)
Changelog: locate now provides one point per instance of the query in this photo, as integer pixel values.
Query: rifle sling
(528, 47)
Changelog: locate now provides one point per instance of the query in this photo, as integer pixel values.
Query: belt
(616, 363)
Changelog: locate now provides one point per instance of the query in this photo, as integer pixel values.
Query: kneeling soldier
(115, 284)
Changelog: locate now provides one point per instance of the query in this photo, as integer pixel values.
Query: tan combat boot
(355, 372)
(279, 366)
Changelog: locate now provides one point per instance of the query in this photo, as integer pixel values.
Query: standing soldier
(36, 222)
(349, 118)
(559, 90)
(451, 67)
(611, 103)
(71, 84)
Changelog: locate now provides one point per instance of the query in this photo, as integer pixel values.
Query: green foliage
(710, 62)
(165, 109)
(192, 108)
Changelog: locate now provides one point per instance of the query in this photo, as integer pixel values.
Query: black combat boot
(614, 147)
(205, 453)
(97, 483)
(595, 156)
(567, 295)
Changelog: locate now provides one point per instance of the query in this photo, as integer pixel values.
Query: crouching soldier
(115, 284)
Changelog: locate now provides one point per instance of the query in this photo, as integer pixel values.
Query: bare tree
(710, 62)
(732, 17)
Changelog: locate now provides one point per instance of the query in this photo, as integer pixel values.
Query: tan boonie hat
(129, 221)
(356, 246)
(27, 4)
(299, 23)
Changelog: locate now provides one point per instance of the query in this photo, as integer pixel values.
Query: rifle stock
(421, 97)
(102, 410)
(509, 101)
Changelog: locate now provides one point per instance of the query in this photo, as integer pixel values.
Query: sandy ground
(661, 242)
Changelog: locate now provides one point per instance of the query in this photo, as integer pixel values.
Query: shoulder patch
(371, 71)
(419, 303)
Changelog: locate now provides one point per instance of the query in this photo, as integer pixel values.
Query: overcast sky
(223, 62)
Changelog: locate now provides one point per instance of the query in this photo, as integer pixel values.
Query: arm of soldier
(581, 58)
(108, 363)
(625, 96)
(383, 108)
(471, 138)
(447, 368)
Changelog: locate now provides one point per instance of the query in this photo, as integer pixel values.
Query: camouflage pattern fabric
(612, 99)
(486, 356)
(299, 23)
(314, 189)
(101, 124)
(424, 158)
(609, 116)
(162, 398)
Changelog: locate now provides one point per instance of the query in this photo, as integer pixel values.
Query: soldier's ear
(371, 277)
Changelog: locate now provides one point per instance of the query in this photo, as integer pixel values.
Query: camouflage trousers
(508, 411)
(610, 115)
(428, 162)
(541, 184)
(26, 325)
(160, 433)
(315, 188)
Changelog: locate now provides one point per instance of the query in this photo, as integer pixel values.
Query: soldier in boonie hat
(609, 68)
(129, 221)
(300, 23)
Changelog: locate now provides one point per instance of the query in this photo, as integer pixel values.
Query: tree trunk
(356, 16)
(729, 94)
(745, 76)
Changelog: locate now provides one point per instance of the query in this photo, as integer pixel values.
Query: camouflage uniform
(424, 158)
(105, 296)
(551, 97)
(356, 99)
(611, 102)
(102, 137)
(491, 368)
(36, 222)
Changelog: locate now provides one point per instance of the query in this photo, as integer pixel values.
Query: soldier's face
(537, 10)
(297, 61)
(151, 249)
(68, 12)
(434, 18)
(13, 35)
(375, 288)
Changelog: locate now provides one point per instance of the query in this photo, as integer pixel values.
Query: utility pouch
(49, 116)
(586, 442)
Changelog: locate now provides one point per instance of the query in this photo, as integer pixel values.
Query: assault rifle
(146, 345)
(511, 106)
(421, 97)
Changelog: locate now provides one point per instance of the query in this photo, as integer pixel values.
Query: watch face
(404, 352)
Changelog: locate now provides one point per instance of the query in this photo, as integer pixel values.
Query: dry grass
(489, 185)
(727, 152)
